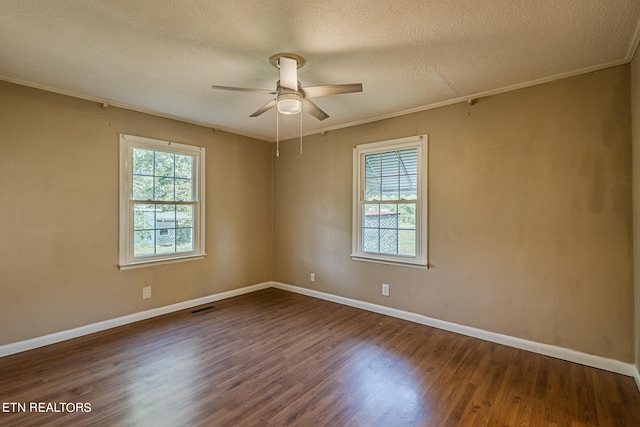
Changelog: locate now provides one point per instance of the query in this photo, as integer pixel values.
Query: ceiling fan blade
(244, 89)
(288, 73)
(313, 109)
(326, 90)
(269, 105)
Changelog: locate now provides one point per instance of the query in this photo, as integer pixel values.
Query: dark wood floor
(274, 358)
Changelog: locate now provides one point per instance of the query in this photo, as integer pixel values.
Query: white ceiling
(162, 56)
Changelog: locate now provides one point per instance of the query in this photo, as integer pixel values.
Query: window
(390, 201)
(161, 201)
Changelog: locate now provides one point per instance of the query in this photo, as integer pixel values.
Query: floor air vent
(200, 310)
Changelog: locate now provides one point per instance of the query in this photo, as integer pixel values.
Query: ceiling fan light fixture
(289, 104)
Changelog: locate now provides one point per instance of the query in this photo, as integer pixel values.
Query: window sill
(417, 265)
(154, 262)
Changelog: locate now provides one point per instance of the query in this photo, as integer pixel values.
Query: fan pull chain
(277, 134)
(300, 132)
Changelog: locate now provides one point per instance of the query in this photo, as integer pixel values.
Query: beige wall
(59, 214)
(635, 120)
(530, 215)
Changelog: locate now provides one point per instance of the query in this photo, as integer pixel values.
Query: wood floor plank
(274, 358)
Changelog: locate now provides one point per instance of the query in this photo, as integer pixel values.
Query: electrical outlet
(385, 289)
(312, 277)
(146, 292)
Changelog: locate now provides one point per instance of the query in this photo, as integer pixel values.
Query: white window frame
(358, 254)
(127, 144)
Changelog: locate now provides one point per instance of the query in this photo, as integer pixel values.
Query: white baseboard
(545, 349)
(536, 347)
(30, 344)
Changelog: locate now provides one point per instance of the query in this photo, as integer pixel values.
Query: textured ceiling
(162, 56)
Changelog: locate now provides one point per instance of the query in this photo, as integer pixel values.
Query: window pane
(165, 216)
(390, 228)
(165, 224)
(390, 163)
(391, 175)
(184, 166)
(164, 188)
(389, 241)
(371, 240)
(407, 216)
(407, 242)
(184, 232)
(390, 188)
(409, 161)
(371, 216)
(166, 241)
(184, 215)
(408, 187)
(372, 165)
(162, 229)
(164, 164)
(388, 216)
(142, 187)
(184, 239)
(372, 189)
(184, 190)
(143, 243)
(142, 161)
(153, 177)
(408, 174)
(143, 217)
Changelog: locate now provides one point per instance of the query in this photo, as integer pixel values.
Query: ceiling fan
(290, 97)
